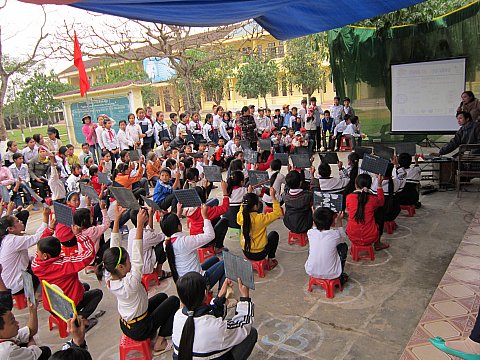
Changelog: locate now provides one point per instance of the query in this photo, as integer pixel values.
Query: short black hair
(122, 121)
(276, 165)
(3, 311)
(85, 144)
(172, 115)
(323, 218)
(17, 156)
(50, 245)
(293, 179)
(62, 150)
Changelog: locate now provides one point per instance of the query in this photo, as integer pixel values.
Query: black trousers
(90, 301)
(312, 135)
(43, 188)
(475, 334)
(269, 251)
(46, 353)
(342, 250)
(161, 310)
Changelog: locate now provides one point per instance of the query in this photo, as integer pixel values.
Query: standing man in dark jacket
(248, 127)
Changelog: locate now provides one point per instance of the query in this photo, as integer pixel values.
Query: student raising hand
(142, 219)
(244, 291)
(224, 187)
(205, 212)
(46, 214)
(273, 192)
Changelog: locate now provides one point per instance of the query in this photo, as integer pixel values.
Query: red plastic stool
(148, 278)
(300, 239)
(62, 325)
(209, 297)
(260, 265)
(267, 209)
(49, 201)
(328, 285)
(157, 216)
(19, 301)
(347, 146)
(409, 208)
(205, 253)
(131, 349)
(390, 226)
(356, 250)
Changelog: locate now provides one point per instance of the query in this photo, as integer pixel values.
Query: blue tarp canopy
(284, 19)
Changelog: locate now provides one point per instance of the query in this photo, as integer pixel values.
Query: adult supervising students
(248, 127)
(470, 104)
(469, 133)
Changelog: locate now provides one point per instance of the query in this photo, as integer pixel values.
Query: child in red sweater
(51, 265)
(361, 205)
(220, 225)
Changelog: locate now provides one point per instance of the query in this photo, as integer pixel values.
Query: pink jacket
(89, 132)
(6, 177)
(95, 232)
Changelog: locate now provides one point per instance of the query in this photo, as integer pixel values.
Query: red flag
(78, 62)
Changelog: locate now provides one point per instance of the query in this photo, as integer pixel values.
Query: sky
(19, 37)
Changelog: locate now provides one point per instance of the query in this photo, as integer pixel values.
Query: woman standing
(470, 104)
(88, 129)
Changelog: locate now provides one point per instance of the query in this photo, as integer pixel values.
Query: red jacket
(366, 233)
(96, 185)
(266, 165)
(63, 271)
(196, 218)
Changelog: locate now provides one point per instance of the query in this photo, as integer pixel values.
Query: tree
(213, 76)
(10, 66)
(37, 96)
(126, 70)
(257, 78)
(303, 63)
(136, 40)
(422, 12)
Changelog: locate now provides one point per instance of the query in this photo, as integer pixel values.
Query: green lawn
(16, 135)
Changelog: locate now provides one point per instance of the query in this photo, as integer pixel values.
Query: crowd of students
(163, 163)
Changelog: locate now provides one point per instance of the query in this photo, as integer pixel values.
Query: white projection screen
(425, 95)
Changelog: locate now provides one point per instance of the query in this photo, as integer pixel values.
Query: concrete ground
(374, 316)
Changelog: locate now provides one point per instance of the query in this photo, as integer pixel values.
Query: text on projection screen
(425, 95)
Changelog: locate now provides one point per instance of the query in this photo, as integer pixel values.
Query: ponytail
(112, 257)
(250, 200)
(363, 182)
(169, 225)
(191, 289)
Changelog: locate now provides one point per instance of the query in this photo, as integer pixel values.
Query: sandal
(91, 323)
(168, 348)
(381, 246)
(439, 343)
(273, 263)
(165, 275)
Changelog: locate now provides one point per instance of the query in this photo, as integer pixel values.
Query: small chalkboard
(332, 201)
(374, 164)
(301, 150)
(283, 157)
(301, 161)
(383, 151)
(360, 150)
(409, 148)
(236, 267)
(125, 197)
(211, 151)
(188, 198)
(28, 288)
(265, 144)
(4, 194)
(250, 156)
(150, 203)
(63, 214)
(60, 304)
(212, 173)
(89, 191)
(245, 144)
(102, 178)
(134, 155)
(257, 178)
(329, 158)
(34, 195)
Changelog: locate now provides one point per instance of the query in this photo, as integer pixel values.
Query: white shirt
(231, 148)
(336, 112)
(206, 129)
(180, 127)
(217, 119)
(263, 123)
(195, 127)
(150, 239)
(81, 157)
(72, 183)
(277, 185)
(99, 132)
(223, 131)
(56, 185)
(14, 257)
(185, 249)
(110, 139)
(133, 132)
(158, 128)
(132, 298)
(146, 122)
(29, 154)
(124, 140)
(21, 173)
(64, 166)
(342, 125)
(323, 260)
(9, 350)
